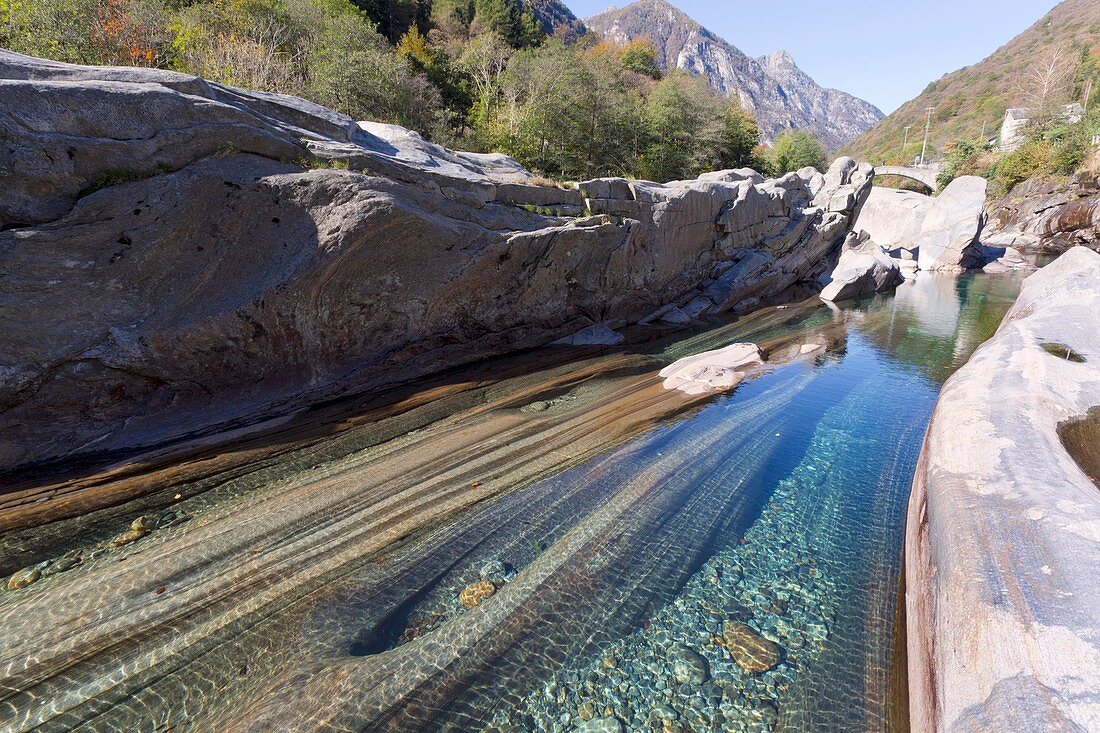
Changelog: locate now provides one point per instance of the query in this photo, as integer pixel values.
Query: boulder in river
(712, 371)
(893, 218)
(950, 230)
(864, 269)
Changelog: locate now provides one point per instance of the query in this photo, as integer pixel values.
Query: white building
(1012, 129)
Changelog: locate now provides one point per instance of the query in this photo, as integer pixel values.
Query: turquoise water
(780, 506)
(729, 565)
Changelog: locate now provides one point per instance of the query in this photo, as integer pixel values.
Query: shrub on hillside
(794, 150)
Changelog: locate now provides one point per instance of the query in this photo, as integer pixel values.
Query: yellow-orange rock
(472, 595)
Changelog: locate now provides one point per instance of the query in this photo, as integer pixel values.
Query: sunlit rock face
(1003, 533)
(199, 270)
(1047, 215)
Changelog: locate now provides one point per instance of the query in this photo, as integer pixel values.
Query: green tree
(686, 124)
(640, 57)
(740, 136)
(794, 150)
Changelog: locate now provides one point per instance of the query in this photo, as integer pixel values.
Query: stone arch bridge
(924, 174)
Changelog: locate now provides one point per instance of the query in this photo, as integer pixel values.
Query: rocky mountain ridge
(213, 257)
(779, 94)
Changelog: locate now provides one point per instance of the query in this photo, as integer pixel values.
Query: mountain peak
(780, 95)
(781, 58)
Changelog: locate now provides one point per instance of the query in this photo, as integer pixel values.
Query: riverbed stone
(128, 537)
(752, 652)
(600, 725)
(23, 578)
(688, 666)
(472, 595)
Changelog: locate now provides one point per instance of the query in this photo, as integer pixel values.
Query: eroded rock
(864, 269)
(203, 290)
(1003, 529)
(950, 230)
(712, 371)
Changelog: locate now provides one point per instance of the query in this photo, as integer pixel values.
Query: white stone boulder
(949, 233)
(894, 218)
(864, 269)
(712, 371)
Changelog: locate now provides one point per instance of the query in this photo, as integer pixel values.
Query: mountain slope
(555, 17)
(780, 94)
(977, 96)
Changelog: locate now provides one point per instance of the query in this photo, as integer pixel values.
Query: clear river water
(546, 543)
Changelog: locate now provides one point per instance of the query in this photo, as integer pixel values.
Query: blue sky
(884, 51)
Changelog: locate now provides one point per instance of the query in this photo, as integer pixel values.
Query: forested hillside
(1049, 63)
(505, 75)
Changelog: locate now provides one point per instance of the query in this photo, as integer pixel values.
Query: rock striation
(1040, 215)
(1003, 531)
(211, 257)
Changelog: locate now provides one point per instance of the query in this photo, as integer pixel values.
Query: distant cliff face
(781, 95)
(555, 18)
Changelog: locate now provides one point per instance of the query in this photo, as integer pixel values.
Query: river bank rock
(1002, 546)
(1041, 215)
(864, 269)
(950, 230)
(211, 257)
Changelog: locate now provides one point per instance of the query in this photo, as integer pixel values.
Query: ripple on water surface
(596, 554)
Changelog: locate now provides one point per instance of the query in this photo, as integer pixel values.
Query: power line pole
(927, 128)
(906, 143)
(1088, 97)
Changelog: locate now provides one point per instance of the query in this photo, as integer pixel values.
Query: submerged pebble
(473, 594)
(23, 578)
(127, 537)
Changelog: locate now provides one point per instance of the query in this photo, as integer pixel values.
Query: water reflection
(639, 559)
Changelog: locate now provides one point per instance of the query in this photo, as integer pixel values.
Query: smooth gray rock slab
(864, 269)
(894, 218)
(950, 230)
(1002, 547)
